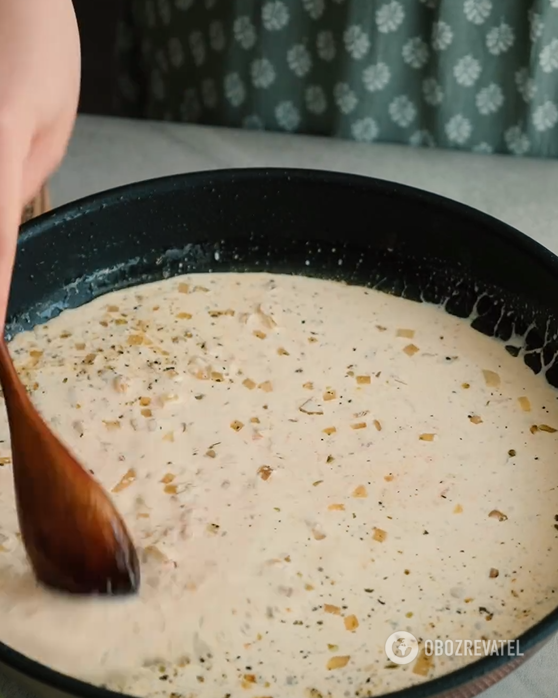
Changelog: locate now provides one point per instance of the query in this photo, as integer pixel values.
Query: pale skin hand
(39, 91)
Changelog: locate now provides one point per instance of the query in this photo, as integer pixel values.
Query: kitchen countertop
(105, 153)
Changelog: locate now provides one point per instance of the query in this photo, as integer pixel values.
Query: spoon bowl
(75, 539)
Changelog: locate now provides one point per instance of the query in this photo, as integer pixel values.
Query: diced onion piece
(411, 349)
(379, 535)
(334, 610)
(423, 663)
(337, 662)
(135, 339)
(495, 514)
(491, 378)
(310, 407)
(409, 334)
(111, 425)
(119, 384)
(264, 472)
(125, 481)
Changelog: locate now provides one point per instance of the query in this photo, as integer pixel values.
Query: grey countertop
(105, 153)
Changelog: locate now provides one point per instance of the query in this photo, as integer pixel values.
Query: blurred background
(97, 21)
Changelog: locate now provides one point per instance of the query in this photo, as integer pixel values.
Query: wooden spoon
(74, 537)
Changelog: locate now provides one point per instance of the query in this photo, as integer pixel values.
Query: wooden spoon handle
(75, 538)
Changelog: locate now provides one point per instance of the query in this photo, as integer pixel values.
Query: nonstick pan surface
(362, 231)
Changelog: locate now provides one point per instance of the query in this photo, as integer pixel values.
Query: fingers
(12, 154)
(45, 155)
(24, 168)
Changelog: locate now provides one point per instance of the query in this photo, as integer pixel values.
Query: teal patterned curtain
(478, 75)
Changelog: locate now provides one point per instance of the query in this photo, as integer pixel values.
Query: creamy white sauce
(305, 467)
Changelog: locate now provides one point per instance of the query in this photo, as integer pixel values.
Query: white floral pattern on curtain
(479, 75)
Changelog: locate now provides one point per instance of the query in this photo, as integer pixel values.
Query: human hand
(39, 92)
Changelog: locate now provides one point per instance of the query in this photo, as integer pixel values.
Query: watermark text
(402, 648)
(472, 648)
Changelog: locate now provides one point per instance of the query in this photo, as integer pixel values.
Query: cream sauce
(305, 467)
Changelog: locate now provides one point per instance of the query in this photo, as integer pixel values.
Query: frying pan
(363, 231)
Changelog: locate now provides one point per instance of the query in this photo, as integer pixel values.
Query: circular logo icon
(401, 647)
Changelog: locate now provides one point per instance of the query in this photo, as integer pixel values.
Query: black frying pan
(363, 231)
